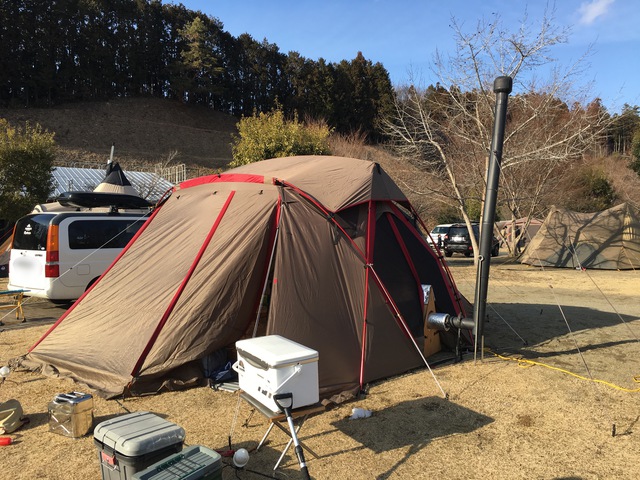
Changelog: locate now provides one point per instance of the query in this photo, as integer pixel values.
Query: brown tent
(607, 240)
(325, 247)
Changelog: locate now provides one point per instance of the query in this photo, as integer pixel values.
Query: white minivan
(58, 255)
(438, 231)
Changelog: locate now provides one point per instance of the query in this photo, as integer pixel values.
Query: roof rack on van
(102, 199)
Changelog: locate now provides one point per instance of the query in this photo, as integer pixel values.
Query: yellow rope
(529, 363)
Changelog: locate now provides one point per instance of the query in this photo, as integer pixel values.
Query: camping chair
(16, 302)
(276, 419)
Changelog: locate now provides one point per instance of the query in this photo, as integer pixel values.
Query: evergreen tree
(68, 50)
(635, 152)
(622, 128)
(198, 66)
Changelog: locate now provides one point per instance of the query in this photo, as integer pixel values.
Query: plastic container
(193, 463)
(274, 364)
(71, 414)
(130, 443)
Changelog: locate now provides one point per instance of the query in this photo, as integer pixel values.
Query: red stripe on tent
(371, 227)
(182, 286)
(364, 257)
(407, 257)
(223, 177)
(124, 250)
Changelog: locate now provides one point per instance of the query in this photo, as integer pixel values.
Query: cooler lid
(138, 433)
(276, 350)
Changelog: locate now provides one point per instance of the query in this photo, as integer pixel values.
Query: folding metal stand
(275, 419)
(17, 297)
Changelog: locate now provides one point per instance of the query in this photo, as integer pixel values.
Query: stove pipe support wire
(502, 87)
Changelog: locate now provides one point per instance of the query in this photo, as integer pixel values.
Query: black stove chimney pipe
(502, 88)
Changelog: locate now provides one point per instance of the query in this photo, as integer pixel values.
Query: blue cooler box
(130, 443)
(192, 463)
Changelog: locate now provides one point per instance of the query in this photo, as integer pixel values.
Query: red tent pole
(403, 325)
(327, 213)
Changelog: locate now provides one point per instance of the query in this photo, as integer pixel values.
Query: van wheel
(467, 254)
(62, 302)
(91, 283)
(447, 254)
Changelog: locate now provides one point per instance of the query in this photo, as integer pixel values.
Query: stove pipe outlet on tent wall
(502, 87)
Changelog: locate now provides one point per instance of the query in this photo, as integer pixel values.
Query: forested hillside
(155, 79)
(64, 51)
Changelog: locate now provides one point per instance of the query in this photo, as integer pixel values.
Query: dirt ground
(571, 412)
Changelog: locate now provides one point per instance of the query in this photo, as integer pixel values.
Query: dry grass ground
(504, 419)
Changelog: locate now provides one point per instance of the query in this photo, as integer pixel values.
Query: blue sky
(403, 35)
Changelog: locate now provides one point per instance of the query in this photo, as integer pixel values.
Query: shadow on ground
(510, 325)
(412, 424)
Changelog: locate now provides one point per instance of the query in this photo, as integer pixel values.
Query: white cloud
(592, 10)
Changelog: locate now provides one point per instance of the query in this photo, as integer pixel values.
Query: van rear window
(458, 232)
(94, 234)
(31, 232)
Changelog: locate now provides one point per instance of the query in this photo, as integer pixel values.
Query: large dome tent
(318, 249)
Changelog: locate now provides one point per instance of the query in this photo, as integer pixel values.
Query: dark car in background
(458, 240)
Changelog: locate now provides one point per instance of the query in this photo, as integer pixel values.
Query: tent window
(353, 220)
(428, 268)
(394, 271)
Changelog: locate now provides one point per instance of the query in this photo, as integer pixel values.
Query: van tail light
(52, 267)
(51, 271)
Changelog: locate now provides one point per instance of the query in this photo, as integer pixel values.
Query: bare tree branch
(445, 130)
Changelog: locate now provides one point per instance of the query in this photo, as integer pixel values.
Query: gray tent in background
(321, 250)
(506, 227)
(607, 240)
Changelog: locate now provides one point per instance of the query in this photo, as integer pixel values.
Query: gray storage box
(71, 414)
(193, 463)
(130, 443)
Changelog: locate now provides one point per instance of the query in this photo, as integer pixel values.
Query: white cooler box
(273, 364)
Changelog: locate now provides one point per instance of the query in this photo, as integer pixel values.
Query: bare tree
(150, 188)
(446, 129)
